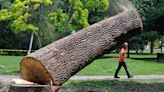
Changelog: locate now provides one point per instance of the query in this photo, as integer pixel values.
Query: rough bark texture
(60, 60)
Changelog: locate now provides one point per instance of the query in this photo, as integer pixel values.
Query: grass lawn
(106, 65)
(10, 63)
(138, 64)
(114, 86)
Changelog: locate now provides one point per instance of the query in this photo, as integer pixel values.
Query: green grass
(147, 51)
(113, 86)
(10, 63)
(141, 64)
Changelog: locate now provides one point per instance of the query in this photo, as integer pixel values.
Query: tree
(54, 19)
(73, 14)
(150, 10)
(65, 57)
(158, 24)
(18, 14)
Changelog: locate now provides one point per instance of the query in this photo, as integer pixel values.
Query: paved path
(6, 79)
(121, 77)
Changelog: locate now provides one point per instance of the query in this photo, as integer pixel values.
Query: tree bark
(62, 59)
(152, 47)
(161, 47)
(128, 54)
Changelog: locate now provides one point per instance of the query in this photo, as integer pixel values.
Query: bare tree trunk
(128, 54)
(161, 47)
(62, 59)
(152, 47)
(137, 49)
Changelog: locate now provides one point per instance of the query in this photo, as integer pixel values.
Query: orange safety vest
(123, 52)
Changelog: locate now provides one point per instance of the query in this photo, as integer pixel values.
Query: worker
(121, 60)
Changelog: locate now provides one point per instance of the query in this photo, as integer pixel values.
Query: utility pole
(31, 42)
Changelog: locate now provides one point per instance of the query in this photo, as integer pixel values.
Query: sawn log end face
(32, 70)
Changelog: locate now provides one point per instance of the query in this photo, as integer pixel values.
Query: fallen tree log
(62, 59)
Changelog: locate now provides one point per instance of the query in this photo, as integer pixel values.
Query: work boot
(130, 76)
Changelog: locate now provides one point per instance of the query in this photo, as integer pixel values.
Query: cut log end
(32, 70)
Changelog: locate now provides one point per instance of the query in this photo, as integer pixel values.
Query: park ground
(107, 85)
(138, 64)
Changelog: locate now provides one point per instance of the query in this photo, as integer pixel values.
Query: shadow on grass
(144, 56)
(111, 86)
(107, 57)
(145, 59)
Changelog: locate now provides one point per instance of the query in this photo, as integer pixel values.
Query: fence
(14, 52)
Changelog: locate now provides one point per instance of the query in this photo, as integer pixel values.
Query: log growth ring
(33, 70)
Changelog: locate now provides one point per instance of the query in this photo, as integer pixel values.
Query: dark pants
(119, 67)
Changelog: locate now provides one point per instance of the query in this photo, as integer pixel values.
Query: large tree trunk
(60, 60)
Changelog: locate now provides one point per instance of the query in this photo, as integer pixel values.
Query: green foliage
(150, 11)
(76, 13)
(63, 17)
(4, 14)
(58, 18)
(7, 38)
(53, 18)
(20, 13)
(138, 42)
(80, 16)
(20, 24)
(45, 2)
(98, 14)
(96, 5)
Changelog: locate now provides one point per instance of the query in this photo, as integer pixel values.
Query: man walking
(121, 61)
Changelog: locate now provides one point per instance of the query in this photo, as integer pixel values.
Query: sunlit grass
(10, 63)
(137, 64)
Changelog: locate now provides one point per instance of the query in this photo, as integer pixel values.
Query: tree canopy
(53, 19)
(49, 19)
(151, 11)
